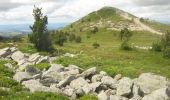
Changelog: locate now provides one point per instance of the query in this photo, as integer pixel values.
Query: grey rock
(78, 83)
(103, 96)
(160, 94)
(66, 81)
(109, 81)
(32, 70)
(96, 78)
(116, 97)
(35, 85)
(89, 72)
(43, 59)
(110, 92)
(124, 87)
(5, 52)
(34, 58)
(48, 81)
(150, 82)
(18, 56)
(22, 76)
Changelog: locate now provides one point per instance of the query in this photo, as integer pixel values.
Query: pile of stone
(75, 82)
(22, 59)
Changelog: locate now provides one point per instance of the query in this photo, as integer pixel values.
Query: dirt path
(145, 27)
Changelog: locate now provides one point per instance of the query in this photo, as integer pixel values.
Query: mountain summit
(115, 19)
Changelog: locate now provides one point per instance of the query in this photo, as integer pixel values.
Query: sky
(67, 11)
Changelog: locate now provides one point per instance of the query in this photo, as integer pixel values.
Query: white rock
(103, 96)
(17, 56)
(78, 83)
(109, 81)
(150, 82)
(4, 52)
(160, 94)
(34, 58)
(96, 78)
(124, 86)
(66, 81)
(115, 97)
(89, 72)
(21, 76)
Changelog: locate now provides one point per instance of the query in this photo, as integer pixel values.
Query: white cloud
(20, 11)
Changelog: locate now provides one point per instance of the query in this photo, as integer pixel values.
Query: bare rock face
(149, 82)
(124, 87)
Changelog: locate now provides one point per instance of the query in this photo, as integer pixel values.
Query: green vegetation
(96, 45)
(42, 66)
(40, 36)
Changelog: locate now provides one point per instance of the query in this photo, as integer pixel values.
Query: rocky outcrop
(74, 82)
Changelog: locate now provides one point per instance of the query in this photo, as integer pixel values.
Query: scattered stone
(103, 73)
(124, 87)
(34, 58)
(150, 82)
(116, 97)
(17, 56)
(96, 78)
(22, 76)
(109, 81)
(89, 72)
(65, 81)
(31, 70)
(78, 83)
(160, 94)
(5, 52)
(103, 96)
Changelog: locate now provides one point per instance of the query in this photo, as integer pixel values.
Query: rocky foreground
(75, 82)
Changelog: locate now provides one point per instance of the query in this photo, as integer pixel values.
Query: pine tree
(40, 36)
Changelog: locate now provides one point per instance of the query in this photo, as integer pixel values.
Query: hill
(116, 19)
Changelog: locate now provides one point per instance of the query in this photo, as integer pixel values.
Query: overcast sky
(20, 11)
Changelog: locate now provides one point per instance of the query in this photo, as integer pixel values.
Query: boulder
(35, 85)
(96, 78)
(69, 92)
(149, 82)
(5, 52)
(160, 94)
(32, 70)
(17, 56)
(124, 87)
(55, 68)
(22, 76)
(95, 86)
(78, 83)
(109, 81)
(89, 72)
(43, 59)
(48, 81)
(116, 97)
(74, 72)
(66, 81)
(103, 96)
(110, 92)
(34, 58)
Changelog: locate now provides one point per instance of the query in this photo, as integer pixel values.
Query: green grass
(110, 58)
(42, 66)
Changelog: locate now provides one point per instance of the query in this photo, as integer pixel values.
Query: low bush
(156, 47)
(125, 46)
(96, 45)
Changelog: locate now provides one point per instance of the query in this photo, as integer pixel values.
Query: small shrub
(78, 39)
(156, 47)
(94, 30)
(125, 46)
(72, 37)
(96, 45)
(166, 52)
